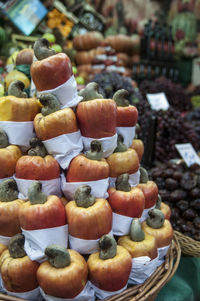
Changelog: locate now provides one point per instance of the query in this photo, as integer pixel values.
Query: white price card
(158, 101)
(188, 153)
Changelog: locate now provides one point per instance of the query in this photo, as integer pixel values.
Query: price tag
(158, 101)
(188, 153)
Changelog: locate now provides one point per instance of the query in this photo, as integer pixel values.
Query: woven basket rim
(151, 287)
(189, 246)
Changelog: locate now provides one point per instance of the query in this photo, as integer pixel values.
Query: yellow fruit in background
(16, 75)
(12, 58)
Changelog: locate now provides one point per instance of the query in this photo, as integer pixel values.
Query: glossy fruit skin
(18, 109)
(37, 168)
(165, 210)
(2, 248)
(123, 162)
(9, 219)
(127, 116)
(97, 118)
(58, 123)
(16, 75)
(41, 216)
(8, 159)
(65, 282)
(147, 247)
(18, 274)
(150, 190)
(138, 145)
(82, 169)
(127, 203)
(25, 57)
(110, 274)
(51, 72)
(91, 222)
(163, 235)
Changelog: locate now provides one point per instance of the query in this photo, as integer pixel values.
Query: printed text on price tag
(158, 101)
(188, 153)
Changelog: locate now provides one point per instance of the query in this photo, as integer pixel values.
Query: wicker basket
(149, 290)
(188, 245)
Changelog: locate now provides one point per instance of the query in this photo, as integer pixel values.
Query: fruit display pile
(193, 118)
(179, 187)
(110, 82)
(74, 200)
(176, 96)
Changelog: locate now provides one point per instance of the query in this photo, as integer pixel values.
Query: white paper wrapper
(108, 144)
(37, 240)
(142, 268)
(3, 179)
(121, 224)
(134, 179)
(66, 93)
(98, 188)
(64, 147)
(33, 295)
(162, 253)
(4, 240)
(101, 294)
(84, 246)
(19, 133)
(49, 187)
(145, 213)
(87, 294)
(128, 133)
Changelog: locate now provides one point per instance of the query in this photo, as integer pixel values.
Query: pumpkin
(16, 106)
(87, 41)
(88, 217)
(127, 115)
(121, 43)
(16, 75)
(41, 211)
(138, 145)
(87, 57)
(163, 207)
(126, 200)
(138, 243)
(88, 167)
(9, 154)
(52, 121)
(159, 227)
(65, 273)
(109, 269)
(96, 116)
(51, 70)
(18, 272)
(86, 68)
(123, 59)
(9, 208)
(149, 188)
(37, 165)
(123, 160)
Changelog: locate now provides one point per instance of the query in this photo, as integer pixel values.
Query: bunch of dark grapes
(193, 118)
(179, 187)
(176, 96)
(172, 129)
(110, 82)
